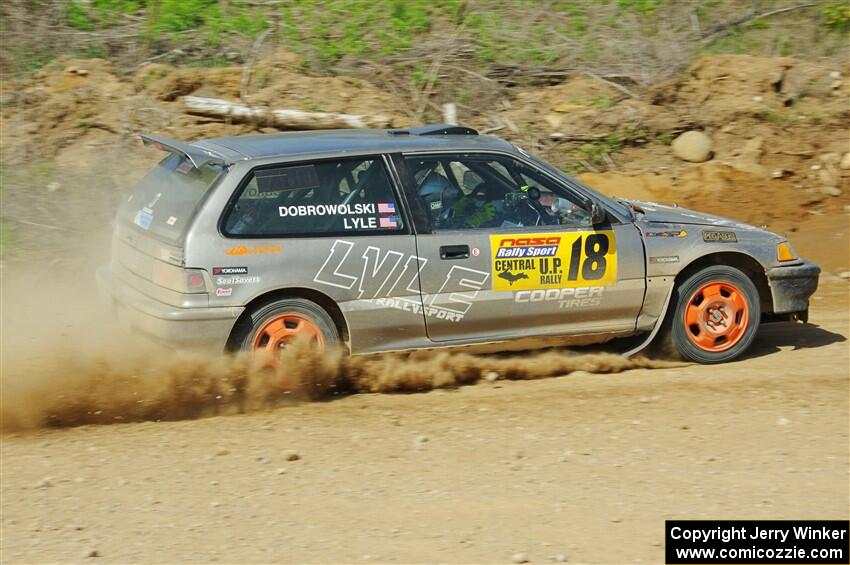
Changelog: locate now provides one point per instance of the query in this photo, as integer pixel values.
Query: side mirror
(597, 214)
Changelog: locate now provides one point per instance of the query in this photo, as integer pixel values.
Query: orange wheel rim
(282, 330)
(716, 316)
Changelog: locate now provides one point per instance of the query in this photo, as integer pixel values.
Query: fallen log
(284, 119)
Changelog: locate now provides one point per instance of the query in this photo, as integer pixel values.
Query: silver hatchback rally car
(384, 240)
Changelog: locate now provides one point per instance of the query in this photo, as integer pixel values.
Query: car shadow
(771, 337)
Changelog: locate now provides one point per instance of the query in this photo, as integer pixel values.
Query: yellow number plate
(553, 260)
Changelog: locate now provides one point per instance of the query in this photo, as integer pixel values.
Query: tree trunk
(284, 119)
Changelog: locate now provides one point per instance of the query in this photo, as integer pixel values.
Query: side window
(336, 196)
(485, 191)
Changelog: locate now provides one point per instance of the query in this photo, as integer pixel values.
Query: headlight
(784, 252)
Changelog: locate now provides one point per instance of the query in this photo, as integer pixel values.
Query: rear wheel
(275, 326)
(714, 316)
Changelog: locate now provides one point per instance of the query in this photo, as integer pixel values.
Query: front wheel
(714, 315)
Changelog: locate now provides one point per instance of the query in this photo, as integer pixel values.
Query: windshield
(164, 201)
(624, 209)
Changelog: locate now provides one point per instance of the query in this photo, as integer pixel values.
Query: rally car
(384, 240)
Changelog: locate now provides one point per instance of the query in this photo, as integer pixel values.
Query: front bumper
(169, 325)
(791, 286)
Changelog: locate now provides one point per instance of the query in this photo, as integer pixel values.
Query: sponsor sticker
(721, 236)
(257, 249)
(143, 219)
(553, 260)
(171, 220)
(233, 280)
(567, 298)
(666, 259)
(476, 252)
(674, 233)
(223, 291)
(184, 166)
(230, 270)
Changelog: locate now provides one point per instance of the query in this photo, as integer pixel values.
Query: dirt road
(583, 466)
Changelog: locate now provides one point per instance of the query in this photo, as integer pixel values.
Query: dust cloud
(71, 386)
(65, 360)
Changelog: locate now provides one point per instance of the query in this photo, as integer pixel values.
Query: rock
(491, 376)
(553, 120)
(292, 456)
(421, 439)
(845, 162)
(221, 451)
(693, 146)
(826, 177)
(831, 190)
(844, 275)
(560, 558)
(44, 483)
(782, 421)
(830, 158)
(91, 553)
(519, 558)
(835, 75)
(280, 471)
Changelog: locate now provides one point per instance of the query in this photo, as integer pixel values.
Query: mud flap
(655, 329)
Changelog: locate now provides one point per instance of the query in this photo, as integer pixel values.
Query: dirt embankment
(778, 126)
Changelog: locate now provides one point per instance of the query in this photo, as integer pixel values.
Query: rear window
(334, 196)
(164, 201)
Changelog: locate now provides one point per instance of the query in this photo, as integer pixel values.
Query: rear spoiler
(199, 157)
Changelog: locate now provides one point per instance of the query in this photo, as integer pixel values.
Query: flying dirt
(122, 379)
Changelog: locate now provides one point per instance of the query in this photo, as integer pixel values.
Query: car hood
(661, 214)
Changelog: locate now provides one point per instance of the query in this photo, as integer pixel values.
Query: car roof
(355, 141)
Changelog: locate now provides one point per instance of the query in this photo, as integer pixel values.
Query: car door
(511, 251)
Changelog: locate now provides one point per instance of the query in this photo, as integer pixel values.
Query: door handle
(454, 252)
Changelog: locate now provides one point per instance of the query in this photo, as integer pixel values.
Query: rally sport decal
(553, 260)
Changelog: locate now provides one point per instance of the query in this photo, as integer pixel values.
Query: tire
(713, 317)
(272, 326)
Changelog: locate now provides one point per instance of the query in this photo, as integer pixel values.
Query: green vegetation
(836, 16)
(524, 34)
